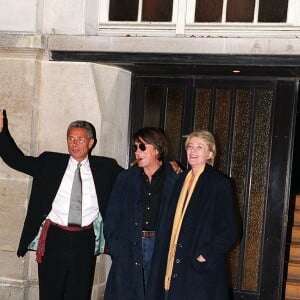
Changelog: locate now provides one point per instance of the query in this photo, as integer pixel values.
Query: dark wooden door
(253, 121)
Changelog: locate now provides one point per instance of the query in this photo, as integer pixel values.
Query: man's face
(79, 144)
(146, 154)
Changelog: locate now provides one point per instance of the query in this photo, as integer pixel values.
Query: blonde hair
(209, 139)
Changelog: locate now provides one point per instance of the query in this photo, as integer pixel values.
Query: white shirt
(60, 206)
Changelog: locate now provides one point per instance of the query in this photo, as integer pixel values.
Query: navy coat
(122, 230)
(209, 229)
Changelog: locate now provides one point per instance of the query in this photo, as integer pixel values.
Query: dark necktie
(76, 200)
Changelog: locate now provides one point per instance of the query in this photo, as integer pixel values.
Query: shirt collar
(158, 173)
(73, 162)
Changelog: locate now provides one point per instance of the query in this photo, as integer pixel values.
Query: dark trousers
(67, 269)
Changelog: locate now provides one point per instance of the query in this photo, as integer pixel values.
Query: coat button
(177, 261)
(174, 275)
(180, 245)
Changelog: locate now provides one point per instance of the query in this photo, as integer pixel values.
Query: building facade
(96, 60)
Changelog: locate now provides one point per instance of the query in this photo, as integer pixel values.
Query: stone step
(292, 289)
(296, 234)
(297, 202)
(295, 251)
(293, 270)
(297, 217)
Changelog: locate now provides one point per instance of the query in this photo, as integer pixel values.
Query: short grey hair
(85, 125)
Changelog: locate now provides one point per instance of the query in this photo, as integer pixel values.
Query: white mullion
(224, 11)
(140, 11)
(103, 11)
(256, 11)
(190, 11)
(181, 16)
(175, 11)
(293, 12)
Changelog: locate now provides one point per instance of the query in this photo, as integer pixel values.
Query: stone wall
(41, 98)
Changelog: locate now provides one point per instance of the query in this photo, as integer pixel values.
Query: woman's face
(198, 152)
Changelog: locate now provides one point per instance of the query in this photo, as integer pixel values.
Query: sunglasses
(140, 146)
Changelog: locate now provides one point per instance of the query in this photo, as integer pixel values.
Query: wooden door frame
(273, 245)
(151, 64)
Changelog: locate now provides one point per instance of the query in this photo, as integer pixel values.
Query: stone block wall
(41, 98)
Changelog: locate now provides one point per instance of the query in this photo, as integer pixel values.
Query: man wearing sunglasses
(134, 214)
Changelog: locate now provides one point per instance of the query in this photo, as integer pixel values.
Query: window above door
(188, 17)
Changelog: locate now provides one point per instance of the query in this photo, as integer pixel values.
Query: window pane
(123, 10)
(202, 108)
(157, 10)
(152, 106)
(239, 167)
(240, 10)
(208, 11)
(257, 189)
(272, 10)
(175, 99)
(221, 126)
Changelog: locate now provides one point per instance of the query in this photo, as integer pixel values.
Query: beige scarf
(183, 201)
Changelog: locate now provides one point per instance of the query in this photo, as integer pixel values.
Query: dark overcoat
(209, 229)
(122, 230)
(47, 171)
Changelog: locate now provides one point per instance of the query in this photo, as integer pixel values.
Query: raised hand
(1, 119)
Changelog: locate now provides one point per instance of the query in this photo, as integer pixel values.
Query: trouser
(67, 269)
(147, 248)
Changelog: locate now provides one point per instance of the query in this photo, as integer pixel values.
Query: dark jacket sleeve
(105, 172)
(113, 215)
(14, 157)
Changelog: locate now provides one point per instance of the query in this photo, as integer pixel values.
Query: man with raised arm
(64, 230)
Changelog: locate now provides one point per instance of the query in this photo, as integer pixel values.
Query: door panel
(253, 122)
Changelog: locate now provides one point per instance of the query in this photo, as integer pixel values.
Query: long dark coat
(209, 229)
(122, 230)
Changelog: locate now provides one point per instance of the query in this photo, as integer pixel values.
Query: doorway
(253, 118)
(253, 121)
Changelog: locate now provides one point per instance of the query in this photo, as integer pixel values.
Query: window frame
(182, 23)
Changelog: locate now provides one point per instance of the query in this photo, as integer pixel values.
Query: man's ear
(91, 143)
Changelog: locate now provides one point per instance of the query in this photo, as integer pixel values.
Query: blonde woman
(200, 229)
